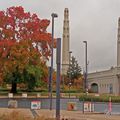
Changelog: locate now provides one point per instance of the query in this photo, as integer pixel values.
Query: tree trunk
(14, 87)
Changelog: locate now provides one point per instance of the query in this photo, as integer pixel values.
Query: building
(65, 43)
(107, 81)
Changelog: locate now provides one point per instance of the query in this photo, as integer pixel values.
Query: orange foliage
(23, 40)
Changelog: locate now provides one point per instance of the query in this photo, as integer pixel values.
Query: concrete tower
(66, 44)
(118, 45)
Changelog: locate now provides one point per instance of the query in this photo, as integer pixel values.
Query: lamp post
(69, 72)
(53, 15)
(86, 70)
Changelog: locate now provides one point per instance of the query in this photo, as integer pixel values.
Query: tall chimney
(66, 42)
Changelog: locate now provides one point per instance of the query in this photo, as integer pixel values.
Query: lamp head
(54, 15)
(70, 51)
(84, 41)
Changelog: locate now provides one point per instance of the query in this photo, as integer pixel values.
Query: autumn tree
(24, 46)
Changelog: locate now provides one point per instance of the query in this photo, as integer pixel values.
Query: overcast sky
(92, 20)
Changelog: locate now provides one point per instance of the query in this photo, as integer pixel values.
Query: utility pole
(58, 62)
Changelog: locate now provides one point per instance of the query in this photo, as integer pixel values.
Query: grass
(5, 91)
(17, 116)
(14, 115)
(77, 94)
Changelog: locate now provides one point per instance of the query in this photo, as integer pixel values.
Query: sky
(94, 21)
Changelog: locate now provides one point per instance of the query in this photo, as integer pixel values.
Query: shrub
(17, 116)
(102, 98)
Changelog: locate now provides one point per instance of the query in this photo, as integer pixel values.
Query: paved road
(26, 103)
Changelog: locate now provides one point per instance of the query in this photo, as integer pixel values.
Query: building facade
(107, 81)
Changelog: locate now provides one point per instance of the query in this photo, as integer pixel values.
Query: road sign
(35, 105)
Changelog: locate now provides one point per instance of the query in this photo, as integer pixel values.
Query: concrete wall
(108, 81)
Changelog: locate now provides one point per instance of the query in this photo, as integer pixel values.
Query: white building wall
(105, 80)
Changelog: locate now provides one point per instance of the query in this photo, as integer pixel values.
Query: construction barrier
(35, 105)
(88, 107)
(24, 95)
(12, 104)
(10, 95)
(71, 106)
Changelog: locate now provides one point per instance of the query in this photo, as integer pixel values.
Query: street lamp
(69, 73)
(54, 15)
(86, 70)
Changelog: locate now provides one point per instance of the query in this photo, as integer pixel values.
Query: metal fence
(45, 103)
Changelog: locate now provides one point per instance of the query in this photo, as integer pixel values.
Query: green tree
(74, 70)
(32, 76)
(24, 67)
